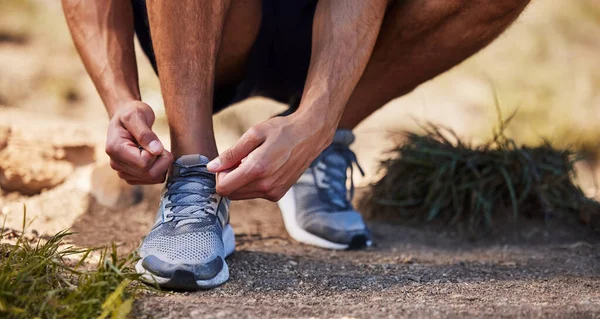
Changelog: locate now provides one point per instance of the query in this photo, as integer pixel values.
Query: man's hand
(270, 157)
(135, 151)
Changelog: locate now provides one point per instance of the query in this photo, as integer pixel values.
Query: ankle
(206, 148)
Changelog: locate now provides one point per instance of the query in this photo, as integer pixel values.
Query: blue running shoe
(187, 246)
(317, 210)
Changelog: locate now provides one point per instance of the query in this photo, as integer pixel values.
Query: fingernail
(155, 147)
(214, 164)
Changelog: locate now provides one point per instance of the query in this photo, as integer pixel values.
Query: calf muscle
(187, 36)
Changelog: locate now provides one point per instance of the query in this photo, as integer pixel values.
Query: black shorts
(278, 62)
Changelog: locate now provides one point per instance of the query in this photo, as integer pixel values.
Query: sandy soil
(532, 272)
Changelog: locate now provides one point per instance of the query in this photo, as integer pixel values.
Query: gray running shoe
(186, 248)
(317, 210)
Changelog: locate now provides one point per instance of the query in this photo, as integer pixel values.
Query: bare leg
(419, 40)
(193, 41)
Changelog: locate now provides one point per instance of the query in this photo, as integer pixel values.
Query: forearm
(103, 34)
(344, 34)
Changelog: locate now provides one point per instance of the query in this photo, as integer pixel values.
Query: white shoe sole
(171, 283)
(287, 205)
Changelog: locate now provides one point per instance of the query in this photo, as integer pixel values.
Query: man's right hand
(135, 151)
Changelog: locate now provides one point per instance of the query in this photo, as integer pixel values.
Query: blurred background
(53, 124)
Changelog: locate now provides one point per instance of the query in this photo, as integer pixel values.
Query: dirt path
(411, 272)
(534, 272)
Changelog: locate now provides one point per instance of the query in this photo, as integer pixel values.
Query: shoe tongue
(344, 137)
(189, 162)
(193, 159)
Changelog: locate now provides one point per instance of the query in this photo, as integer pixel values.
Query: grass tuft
(49, 279)
(436, 177)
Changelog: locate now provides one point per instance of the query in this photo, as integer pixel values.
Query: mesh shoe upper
(323, 200)
(190, 220)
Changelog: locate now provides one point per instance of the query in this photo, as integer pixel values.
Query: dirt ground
(530, 271)
(525, 270)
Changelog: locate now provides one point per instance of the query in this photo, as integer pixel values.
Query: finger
(130, 155)
(233, 156)
(255, 189)
(130, 179)
(247, 172)
(244, 196)
(269, 188)
(127, 169)
(272, 187)
(156, 174)
(140, 127)
(255, 167)
(252, 190)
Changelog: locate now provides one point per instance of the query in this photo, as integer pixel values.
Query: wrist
(315, 126)
(115, 106)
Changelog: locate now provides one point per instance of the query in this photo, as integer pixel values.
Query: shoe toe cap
(201, 271)
(341, 227)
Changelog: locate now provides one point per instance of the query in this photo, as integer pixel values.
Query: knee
(484, 9)
(498, 9)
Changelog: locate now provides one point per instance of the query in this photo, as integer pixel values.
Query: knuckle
(264, 187)
(157, 177)
(272, 196)
(114, 165)
(123, 176)
(221, 191)
(254, 134)
(145, 164)
(259, 169)
(110, 149)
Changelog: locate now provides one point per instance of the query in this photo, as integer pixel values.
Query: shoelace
(190, 193)
(335, 174)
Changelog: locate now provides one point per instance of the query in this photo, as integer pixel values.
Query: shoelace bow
(335, 174)
(189, 193)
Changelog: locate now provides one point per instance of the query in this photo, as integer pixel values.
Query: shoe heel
(228, 240)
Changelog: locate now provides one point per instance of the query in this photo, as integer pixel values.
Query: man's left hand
(270, 157)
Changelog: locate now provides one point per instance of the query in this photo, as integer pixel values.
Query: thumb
(143, 134)
(233, 156)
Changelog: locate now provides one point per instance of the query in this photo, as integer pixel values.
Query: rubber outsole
(184, 280)
(287, 206)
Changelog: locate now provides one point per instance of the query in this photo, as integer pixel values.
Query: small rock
(111, 191)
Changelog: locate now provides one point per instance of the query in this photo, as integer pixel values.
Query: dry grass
(49, 279)
(438, 177)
